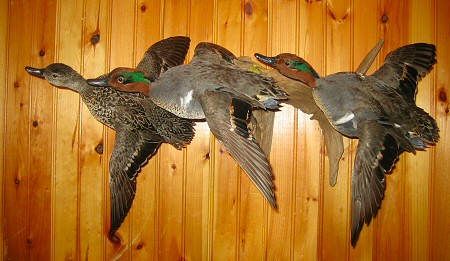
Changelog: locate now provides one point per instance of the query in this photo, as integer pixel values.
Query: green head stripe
(304, 67)
(135, 77)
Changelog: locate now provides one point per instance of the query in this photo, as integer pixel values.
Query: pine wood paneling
(282, 38)
(4, 8)
(198, 177)
(196, 203)
(440, 223)
(365, 34)
(121, 53)
(17, 145)
(336, 206)
(252, 208)
(41, 123)
(309, 159)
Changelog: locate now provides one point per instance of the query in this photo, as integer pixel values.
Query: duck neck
(302, 76)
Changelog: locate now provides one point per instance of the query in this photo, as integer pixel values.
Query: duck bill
(271, 61)
(35, 71)
(103, 82)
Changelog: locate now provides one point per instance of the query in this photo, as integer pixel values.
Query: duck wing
(163, 55)
(407, 65)
(131, 150)
(379, 147)
(227, 117)
(139, 113)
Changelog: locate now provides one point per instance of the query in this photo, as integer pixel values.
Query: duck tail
(426, 129)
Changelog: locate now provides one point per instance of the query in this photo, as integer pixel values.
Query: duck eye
(55, 75)
(287, 63)
(120, 79)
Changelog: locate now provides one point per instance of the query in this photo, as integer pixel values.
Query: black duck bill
(271, 61)
(35, 71)
(102, 81)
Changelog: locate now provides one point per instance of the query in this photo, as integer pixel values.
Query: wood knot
(207, 155)
(99, 148)
(442, 96)
(143, 8)
(140, 246)
(173, 166)
(41, 53)
(384, 18)
(17, 181)
(95, 39)
(35, 123)
(248, 8)
(29, 242)
(16, 85)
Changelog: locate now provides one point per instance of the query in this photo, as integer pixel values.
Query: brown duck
(214, 89)
(140, 125)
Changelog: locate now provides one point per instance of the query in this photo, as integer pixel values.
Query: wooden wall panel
(17, 145)
(4, 18)
(282, 38)
(365, 34)
(440, 224)
(196, 203)
(336, 230)
(66, 140)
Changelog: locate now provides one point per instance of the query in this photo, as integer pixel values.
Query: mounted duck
(141, 126)
(379, 110)
(212, 88)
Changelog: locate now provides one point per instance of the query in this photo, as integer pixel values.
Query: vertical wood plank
(418, 167)
(365, 34)
(282, 34)
(440, 223)
(335, 227)
(66, 136)
(93, 225)
(253, 208)
(389, 221)
(143, 232)
(17, 162)
(198, 162)
(40, 175)
(4, 19)
(171, 223)
(121, 55)
(309, 173)
(226, 171)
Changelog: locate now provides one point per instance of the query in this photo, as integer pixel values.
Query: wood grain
(440, 224)
(227, 175)
(336, 206)
(197, 204)
(66, 139)
(41, 122)
(143, 219)
(365, 35)
(4, 16)
(17, 120)
(198, 159)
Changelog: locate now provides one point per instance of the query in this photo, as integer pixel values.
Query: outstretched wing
(130, 152)
(405, 66)
(163, 55)
(376, 154)
(228, 117)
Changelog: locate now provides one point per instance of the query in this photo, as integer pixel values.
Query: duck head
(292, 66)
(125, 80)
(59, 74)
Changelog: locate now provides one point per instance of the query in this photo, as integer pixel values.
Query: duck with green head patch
(378, 109)
(140, 125)
(211, 87)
